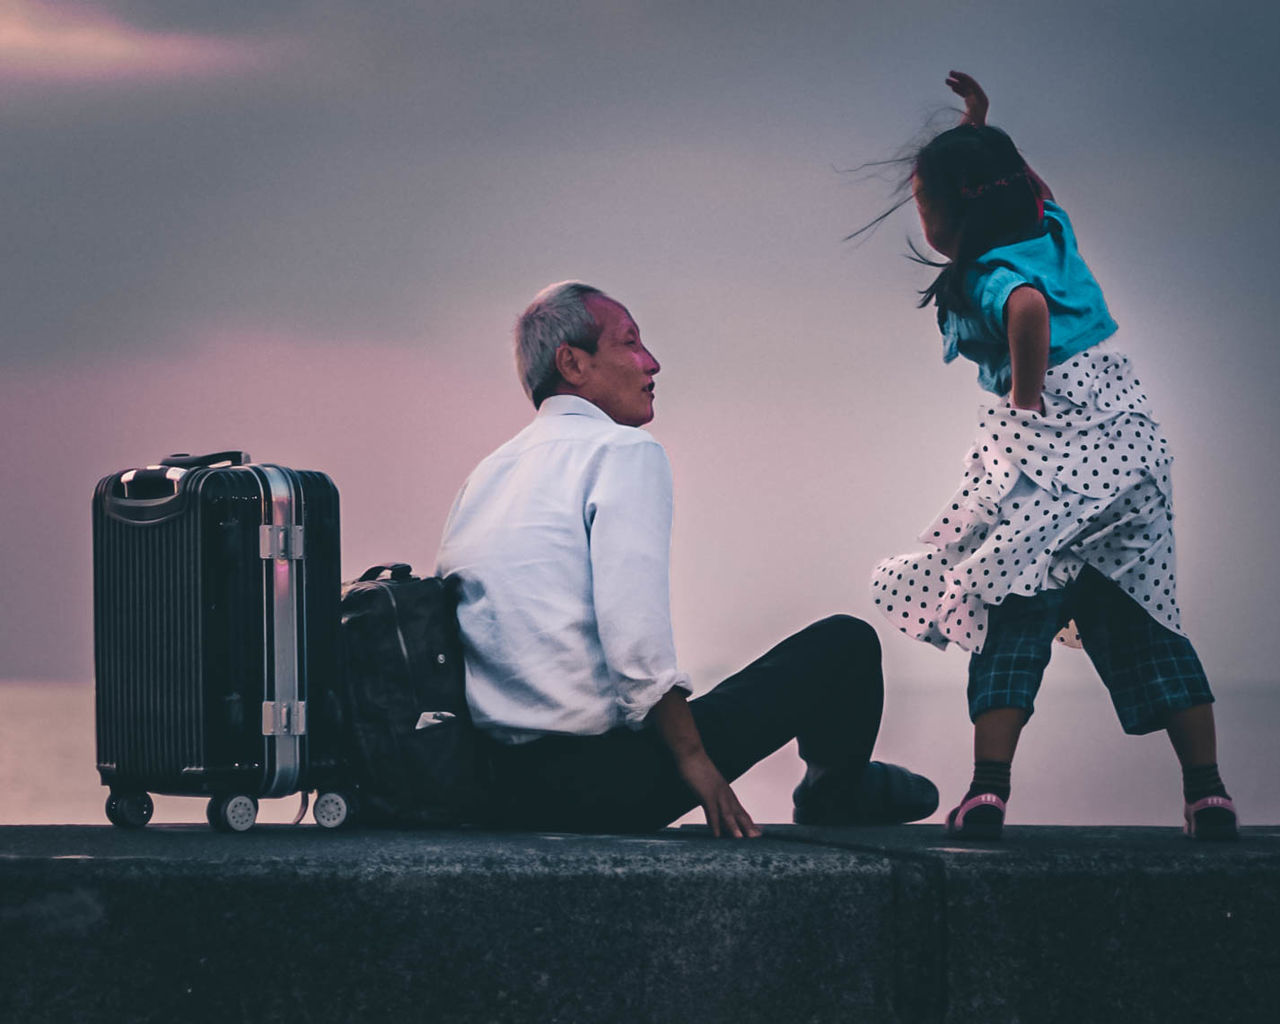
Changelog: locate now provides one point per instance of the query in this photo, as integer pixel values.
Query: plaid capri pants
(1149, 670)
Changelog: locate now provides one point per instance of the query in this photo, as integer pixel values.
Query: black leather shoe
(887, 794)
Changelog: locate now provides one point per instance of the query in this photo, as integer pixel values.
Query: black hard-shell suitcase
(216, 586)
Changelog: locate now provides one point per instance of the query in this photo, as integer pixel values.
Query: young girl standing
(1064, 515)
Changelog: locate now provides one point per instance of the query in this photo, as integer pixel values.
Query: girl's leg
(1194, 739)
(1209, 812)
(996, 732)
(1157, 682)
(1003, 681)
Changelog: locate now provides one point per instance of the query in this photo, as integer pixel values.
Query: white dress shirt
(562, 540)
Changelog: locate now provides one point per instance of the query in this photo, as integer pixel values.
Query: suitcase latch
(280, 541)
(284, 718)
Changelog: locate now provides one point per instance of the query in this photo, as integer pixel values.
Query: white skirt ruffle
(1086, 482)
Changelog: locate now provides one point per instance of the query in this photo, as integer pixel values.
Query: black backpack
(415, 756)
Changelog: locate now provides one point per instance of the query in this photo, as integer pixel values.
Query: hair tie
(973, 191)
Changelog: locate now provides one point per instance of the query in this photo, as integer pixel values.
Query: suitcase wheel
(234, 812)
(129, 810)
(335, 808)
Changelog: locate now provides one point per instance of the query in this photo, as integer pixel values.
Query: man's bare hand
(725, 815)
(975, 100)
(679, 731)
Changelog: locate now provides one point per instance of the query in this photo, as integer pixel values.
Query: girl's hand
(975, 100)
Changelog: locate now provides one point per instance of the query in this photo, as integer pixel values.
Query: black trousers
(822, 686)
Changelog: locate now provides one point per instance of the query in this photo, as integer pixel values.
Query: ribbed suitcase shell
(196, 623)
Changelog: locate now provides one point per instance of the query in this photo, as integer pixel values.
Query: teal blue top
(1049, 262)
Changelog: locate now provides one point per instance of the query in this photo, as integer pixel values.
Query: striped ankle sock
(1200, 781)
(990, 777)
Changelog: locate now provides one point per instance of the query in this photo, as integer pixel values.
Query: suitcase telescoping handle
(398, 571)
(183, 460)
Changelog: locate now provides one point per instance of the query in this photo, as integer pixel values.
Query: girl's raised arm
(975, 100)
(976, 105)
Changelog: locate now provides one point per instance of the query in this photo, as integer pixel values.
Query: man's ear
(571, 365)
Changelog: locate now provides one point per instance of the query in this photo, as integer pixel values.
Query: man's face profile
(618, 376)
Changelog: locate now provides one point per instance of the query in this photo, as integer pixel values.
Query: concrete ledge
(893, 925)
(1085, 926)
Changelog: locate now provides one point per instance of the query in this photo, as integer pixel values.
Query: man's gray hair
(557, 316)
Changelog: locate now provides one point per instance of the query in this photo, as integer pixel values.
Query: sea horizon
(1074, 766)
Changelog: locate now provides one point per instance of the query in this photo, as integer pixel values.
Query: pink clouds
(80, 43)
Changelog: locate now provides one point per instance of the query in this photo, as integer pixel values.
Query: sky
(304, 228)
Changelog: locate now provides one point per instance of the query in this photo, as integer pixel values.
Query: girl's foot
(1211, 818)
(980, 816)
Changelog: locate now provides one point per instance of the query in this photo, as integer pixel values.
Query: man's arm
(1027, 323)
(725, 815)
(629, 510)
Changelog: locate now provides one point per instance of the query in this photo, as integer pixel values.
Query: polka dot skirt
(1044, 494)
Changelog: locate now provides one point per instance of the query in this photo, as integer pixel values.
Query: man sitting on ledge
(561, 539)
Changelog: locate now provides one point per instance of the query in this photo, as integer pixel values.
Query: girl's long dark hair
(978, 183)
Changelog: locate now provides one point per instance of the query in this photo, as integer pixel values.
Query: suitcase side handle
(184, 460)
(398, 570)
